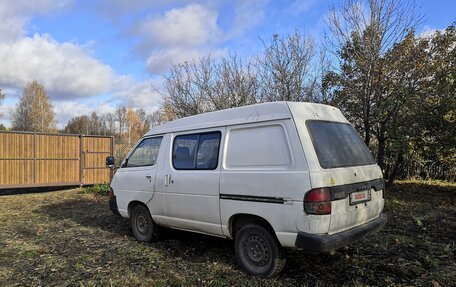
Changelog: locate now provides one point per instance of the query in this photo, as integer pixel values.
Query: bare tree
(284, 69)
(156, 118)
(187, 87)
(236, 83)
(109, 123)
(202, 86)
(121, 118)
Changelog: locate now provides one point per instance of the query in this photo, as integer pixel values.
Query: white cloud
(5, 113)
(140, 94)
(247, 15)
(118, 10)
(300, 6)
(65, 110)
(179, 34)
(175, 31)
(73, 78)
(65, 69)
(159, 61)
(15, 15)
(192, 25)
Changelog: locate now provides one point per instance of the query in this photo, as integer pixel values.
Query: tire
(143, 227)
(258, 251)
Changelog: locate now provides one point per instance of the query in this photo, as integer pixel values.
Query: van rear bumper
(326, 242)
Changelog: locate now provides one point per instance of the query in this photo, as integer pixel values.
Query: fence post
(81, 160)
(111, 172)
(34, 158)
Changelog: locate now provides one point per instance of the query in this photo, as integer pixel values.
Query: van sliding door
(190, 182)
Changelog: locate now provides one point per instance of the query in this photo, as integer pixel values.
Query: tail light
(318, 201)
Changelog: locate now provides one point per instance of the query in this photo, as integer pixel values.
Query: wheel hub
(256, 250)
(142, 224)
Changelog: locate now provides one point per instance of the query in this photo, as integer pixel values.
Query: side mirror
(110, 161)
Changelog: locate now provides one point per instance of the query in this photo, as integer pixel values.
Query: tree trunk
(381, 151)
(396, 168)
(367, 133)
(366, 120)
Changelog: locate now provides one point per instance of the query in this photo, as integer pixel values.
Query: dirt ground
(69, 238)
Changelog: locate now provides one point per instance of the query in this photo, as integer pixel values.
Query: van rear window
(338, 145)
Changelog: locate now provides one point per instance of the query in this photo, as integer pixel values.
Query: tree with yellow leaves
(34, 110)
(135, 126)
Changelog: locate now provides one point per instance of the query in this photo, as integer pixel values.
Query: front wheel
(258, 251)
(143, 227)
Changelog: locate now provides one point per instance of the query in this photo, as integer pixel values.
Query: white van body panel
(266, 165)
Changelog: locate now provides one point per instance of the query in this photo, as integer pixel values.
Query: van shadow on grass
(97, 215)
(87, 213)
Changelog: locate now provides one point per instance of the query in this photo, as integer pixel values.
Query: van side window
(196, 151)
(145, 153)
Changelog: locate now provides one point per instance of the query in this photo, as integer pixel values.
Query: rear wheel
(258, 251)
(143, 227)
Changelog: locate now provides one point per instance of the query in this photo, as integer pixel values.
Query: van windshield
(338, 145)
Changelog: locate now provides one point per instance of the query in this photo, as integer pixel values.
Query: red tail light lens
(318, 201)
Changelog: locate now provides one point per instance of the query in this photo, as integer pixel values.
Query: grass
(71, 238)
(97, 189)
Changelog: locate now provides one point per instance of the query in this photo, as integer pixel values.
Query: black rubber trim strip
(113, 205)
(265, 199)
(342, 191)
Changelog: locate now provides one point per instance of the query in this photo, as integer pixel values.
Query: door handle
(148, 176)
(168, 179)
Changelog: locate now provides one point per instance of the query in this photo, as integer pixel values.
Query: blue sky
(95, 55)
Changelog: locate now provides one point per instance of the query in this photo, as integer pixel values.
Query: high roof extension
(242, 115)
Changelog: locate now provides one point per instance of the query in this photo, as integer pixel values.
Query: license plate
(360, 197)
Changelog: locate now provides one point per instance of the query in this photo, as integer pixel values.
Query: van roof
(240, 115)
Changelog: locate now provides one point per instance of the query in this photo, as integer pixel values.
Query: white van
(270, 176)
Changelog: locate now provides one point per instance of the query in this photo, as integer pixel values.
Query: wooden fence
(39, 159)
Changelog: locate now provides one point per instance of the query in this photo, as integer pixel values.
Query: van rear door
(348, 168)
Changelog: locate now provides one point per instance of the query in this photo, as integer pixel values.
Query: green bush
(98, 189)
